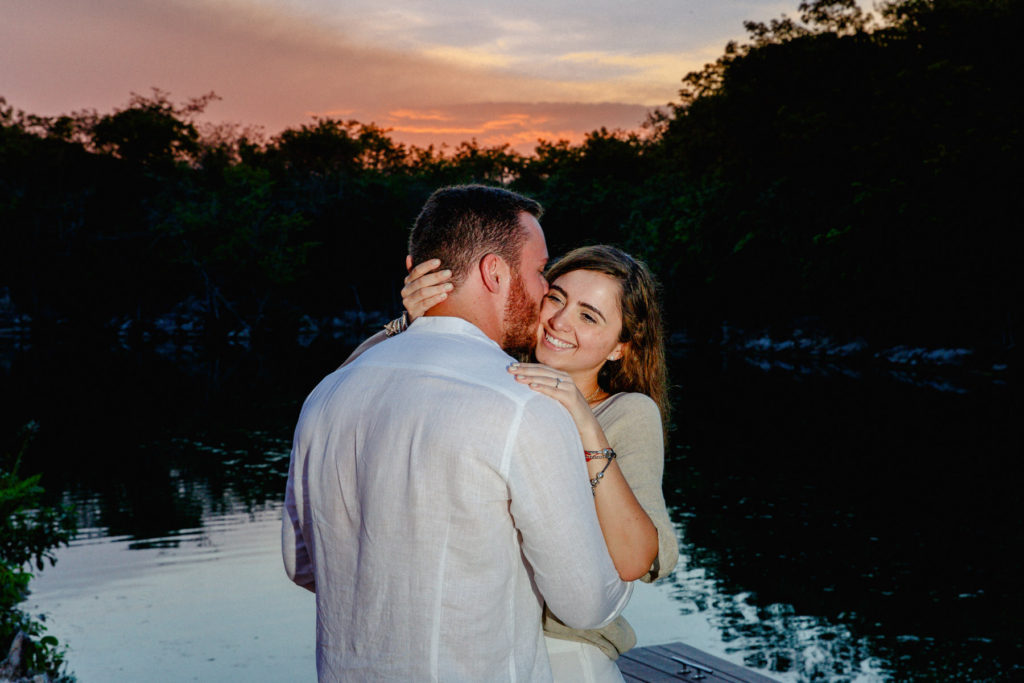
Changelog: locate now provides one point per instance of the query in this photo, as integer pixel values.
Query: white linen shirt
(433, 504)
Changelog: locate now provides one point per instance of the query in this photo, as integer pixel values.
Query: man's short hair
(463, 223)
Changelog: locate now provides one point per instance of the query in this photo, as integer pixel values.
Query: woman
(600, 354)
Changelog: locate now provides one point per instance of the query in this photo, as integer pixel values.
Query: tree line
(859, 171)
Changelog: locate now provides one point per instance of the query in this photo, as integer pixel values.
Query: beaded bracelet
(594, 455)
(597, 455)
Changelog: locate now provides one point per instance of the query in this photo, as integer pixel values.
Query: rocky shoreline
(807, 351)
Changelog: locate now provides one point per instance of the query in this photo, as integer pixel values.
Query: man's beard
(520, 320)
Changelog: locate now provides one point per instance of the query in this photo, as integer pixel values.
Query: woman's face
(580, 322)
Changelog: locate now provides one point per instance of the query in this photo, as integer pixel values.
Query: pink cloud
(270, 69)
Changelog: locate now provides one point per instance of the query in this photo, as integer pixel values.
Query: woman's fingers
(421, 269)
(425, 287)
(422, 288)
(436, 280)
(537, 367)
(541, 375)
(421, 301)
(417, 283)
(544, 385)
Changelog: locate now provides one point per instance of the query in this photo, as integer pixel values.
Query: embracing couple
(463, 515)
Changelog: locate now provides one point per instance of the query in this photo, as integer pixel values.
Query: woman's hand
(424, 288)
(559, 386)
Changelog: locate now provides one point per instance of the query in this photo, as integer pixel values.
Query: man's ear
(408, 262)
(493, 272)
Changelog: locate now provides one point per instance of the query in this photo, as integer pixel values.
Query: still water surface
(835, 524)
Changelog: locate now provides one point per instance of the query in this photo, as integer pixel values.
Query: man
(433, 503)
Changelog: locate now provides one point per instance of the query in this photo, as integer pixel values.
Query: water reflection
(855, 527)
(206, 604)
(837, 526)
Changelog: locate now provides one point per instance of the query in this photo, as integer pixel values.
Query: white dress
(575, 662)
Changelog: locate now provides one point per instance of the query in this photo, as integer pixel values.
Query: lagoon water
(835, 523)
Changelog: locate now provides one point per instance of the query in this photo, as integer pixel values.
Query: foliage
(855, 167)
(29, 533)
(150, 130)
(853, 170)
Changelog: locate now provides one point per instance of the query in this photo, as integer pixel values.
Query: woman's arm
(365, 346)
(422, 290)
(631, 537)
(632, 423)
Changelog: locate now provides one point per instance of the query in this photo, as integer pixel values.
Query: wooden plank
(721, 666)
(680, 662)
(637, 671)
(666, 668)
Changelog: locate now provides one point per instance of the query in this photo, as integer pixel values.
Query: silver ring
(558, 380)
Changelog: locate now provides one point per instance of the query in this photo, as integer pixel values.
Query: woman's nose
(559, 320)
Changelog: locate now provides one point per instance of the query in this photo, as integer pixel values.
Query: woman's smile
(556, 342)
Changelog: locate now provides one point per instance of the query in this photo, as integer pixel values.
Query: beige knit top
(632, 424)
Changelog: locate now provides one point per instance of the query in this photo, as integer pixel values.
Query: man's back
(415, 469)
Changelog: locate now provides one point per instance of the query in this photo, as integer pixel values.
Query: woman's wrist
(591, 433)
(398, 325)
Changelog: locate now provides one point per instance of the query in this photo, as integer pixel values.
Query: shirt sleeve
(633, 427)
(298, 563)
(553, 508)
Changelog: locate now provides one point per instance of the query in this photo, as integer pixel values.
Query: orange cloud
(433, 130)
(512, 121)
(520, 124)
(432, 115)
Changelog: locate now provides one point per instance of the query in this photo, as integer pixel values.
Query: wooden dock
(679, 662)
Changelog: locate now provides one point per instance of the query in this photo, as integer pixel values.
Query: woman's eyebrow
(589, 307)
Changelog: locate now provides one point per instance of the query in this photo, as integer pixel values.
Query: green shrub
(29, 533)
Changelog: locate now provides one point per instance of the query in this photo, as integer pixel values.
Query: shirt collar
(441, 324)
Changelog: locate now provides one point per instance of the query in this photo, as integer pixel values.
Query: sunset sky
(433, 72)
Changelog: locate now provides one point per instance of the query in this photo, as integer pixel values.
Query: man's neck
(474, 314)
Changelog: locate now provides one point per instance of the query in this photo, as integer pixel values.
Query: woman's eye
(589, 318)
(553, 297)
